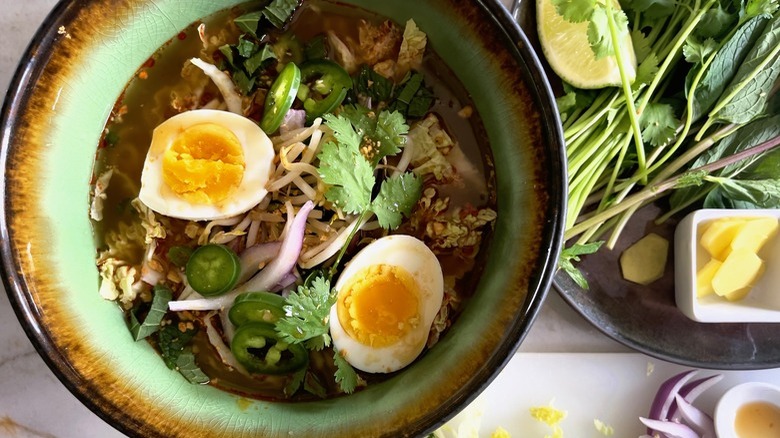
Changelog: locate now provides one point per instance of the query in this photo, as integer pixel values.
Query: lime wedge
(565, 45)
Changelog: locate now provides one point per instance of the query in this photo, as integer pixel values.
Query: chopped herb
(315, 48)
(410, 88)
(227, 52)
(371, 84)
(255, 62)
(171, 341)
(246, 47)
(248, 22)
(346, 376)
(307, 311)
(280, 11)
(295, 382)
(312, 385)
(162, 295)
(244, 83)
(186, 365)
(179, 255)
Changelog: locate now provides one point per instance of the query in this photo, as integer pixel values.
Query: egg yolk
(204, 164)
(379, 305)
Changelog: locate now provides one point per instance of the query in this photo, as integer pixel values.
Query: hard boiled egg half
(205, 165)
(388, 297)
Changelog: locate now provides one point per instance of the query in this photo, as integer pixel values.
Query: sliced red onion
(254, 256)
(670, 428)
(289, 279)
(691, 391)
(294, 119)
(695, 418)
(222, 349)
(228, 329)
(268, 277)
(664, 398)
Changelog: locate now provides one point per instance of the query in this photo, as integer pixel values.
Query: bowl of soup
(279, 218)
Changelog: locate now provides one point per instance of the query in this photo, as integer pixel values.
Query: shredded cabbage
(412, 49)
(99, 196)
(431, 144)
(154, 229)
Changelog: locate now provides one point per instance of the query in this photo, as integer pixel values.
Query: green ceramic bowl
(75, 69)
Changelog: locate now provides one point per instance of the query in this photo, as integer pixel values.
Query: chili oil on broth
(147, 102)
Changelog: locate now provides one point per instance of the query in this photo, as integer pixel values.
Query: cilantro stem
(673, 53)
(629, 94)
(653, 190)
(364, 215)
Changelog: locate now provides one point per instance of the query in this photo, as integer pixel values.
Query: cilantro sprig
(363, 139)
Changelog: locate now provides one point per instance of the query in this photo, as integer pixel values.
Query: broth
(146, 103)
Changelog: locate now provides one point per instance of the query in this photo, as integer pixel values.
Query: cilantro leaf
(171, 341)
(346, 376)
(385, 132)
(389, 133)
(342, 166)
(646, 71)
(572, 254)
(397, 196)
(658, 123)
(162, 294)
(186, 365)
(575, 11)
(307, 312)
(697, 52)
(598, 31)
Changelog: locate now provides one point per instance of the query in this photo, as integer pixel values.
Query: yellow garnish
(603, 428)
(550, 416)
(500, 433)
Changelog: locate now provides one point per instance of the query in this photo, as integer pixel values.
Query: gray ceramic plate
(74, 70)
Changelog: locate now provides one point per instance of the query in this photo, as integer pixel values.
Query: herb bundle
(705, 94)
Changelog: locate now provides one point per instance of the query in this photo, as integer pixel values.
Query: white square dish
(762, 304)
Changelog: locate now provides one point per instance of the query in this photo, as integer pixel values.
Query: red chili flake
(149, 63)
(182, 36)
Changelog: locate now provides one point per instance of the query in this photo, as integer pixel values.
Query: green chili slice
(328, 83)
(257, 347)
(280, 98)
(256, 307)
(213, 269)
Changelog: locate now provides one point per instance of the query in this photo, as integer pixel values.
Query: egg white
(418, 260)
(258, 157)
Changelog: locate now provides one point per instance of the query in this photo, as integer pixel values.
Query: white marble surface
(33, 403)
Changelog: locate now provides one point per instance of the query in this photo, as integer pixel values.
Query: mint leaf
(162, 294)
(280, 11)
(307, 312)
(346, 376)
(189, 369)
(248, 22)
(397, 196)
(171, 341)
